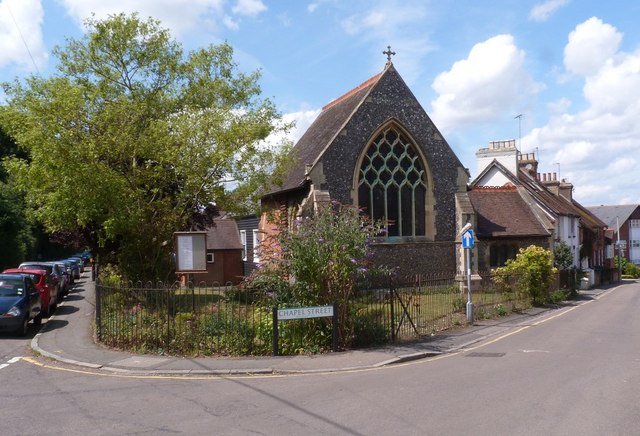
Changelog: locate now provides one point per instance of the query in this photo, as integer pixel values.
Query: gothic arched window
(391, 184)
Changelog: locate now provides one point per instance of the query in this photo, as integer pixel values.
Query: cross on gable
(389, 53)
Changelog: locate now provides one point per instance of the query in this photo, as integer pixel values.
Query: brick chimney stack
(528, 163)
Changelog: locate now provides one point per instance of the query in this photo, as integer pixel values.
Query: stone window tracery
(391, 184)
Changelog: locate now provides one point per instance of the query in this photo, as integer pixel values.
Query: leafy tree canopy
(131, 139)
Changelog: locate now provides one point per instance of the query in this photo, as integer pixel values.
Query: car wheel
(38, 319)
(24, 327)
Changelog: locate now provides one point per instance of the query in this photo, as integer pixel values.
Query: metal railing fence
(201, 319)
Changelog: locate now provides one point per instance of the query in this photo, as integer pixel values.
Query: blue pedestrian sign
(467, 239)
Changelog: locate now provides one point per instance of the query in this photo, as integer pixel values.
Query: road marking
(10, 361)
(216, 377)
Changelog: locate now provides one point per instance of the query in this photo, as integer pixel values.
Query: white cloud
(615, 88)
(396, 23)
(492, 80)
(590, 45)
(559, 106)
(576, 152)
(542, 11)
(598, 145)
(302, 120)
(383, 19)
(21, 41)
(249, 7)
(622, 164)
(230, 23)
(181, 16)
(311, 8)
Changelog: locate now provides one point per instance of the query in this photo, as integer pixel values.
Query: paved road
(575, 371)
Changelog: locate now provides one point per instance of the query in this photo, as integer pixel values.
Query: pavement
(67, 337)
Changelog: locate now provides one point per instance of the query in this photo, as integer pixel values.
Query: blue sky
(570, 67)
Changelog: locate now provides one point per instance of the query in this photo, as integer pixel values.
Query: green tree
(132, 139)
(16, 236)
(532, 270)
(562, 256)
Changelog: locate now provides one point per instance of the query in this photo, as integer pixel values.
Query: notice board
(191, 252)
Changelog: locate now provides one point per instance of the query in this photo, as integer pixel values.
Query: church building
(377, 148)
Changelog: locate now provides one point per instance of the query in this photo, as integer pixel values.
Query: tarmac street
(67, 338)
(567, 370)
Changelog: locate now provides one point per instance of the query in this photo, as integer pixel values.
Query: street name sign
(305, 312)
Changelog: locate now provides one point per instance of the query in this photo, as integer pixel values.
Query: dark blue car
(20, 302)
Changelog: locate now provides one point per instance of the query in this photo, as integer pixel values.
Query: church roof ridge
(353, 91)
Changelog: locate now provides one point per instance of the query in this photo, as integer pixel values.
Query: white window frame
(634, 223)
(256, 245)
(211, 258)
(243, 241)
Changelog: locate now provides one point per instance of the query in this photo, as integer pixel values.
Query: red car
(48, 291)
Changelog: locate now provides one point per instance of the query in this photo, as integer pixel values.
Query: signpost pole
(334, 328)
(467, 245)
(469, 301)
(275, 330)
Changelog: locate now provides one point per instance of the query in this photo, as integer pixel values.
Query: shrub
(532, 271)
(316, 262)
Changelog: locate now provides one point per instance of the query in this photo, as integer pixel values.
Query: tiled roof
(224, 235)
(501, 212)
(322, 131)
(608, 214)
(557, 204)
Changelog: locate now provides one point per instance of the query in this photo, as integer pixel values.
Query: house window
(500, 253)
(391, 184)
(634, 223)
(243, 241)
(635, 243)
(256, 245)
(210, 256)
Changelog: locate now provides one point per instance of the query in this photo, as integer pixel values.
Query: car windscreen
(11, 287)
(48, 268)
(35, 278)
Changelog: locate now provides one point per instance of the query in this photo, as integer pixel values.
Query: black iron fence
(200, 319)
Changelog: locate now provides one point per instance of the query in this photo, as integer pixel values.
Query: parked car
(77, 268)
(80, 262)
(66, 277)
(84, 255)
(19, 303)
(48, 292)
(69, 267)
(55, 275)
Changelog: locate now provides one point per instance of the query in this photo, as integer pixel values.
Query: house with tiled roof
(549, 201)
(507, 221)
(623, 222)
(376, 147)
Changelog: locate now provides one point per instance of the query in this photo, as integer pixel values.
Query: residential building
(550, 201)
(623, 221)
